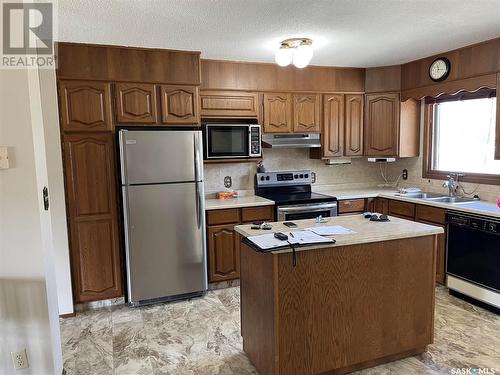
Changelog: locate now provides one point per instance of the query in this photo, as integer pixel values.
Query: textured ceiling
(345, 32)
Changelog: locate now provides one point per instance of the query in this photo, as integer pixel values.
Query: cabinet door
(85, 106)
(306, 113)
(221, 104)
(136, 103)
(333, 125)
(440, 253)
(353, 125)
(381, 206)
(223, 253)
(382, 124)
(93, 216)
(179, 105)
(277, 113)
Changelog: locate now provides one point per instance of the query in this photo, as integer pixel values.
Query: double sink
(438, 198)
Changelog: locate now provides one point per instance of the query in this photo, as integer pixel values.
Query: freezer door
(165, 240)
(159, 156)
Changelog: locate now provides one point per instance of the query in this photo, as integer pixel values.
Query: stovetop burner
(288, 187)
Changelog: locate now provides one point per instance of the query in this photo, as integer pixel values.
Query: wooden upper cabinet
(306, 113)
(497, 141)
(85, 106)
(90, 173)
(277, 113)
(333, 125)
(221, 104)
(136, 103)
(353, 137)
(392, 127)
(179, 105)
(382, 124)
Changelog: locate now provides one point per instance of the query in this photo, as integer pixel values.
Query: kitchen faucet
(452, 183)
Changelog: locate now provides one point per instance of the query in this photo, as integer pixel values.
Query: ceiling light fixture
(296, 50)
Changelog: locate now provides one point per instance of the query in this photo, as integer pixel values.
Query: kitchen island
(363, 301)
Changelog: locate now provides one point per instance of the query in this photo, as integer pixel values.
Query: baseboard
(65, 316)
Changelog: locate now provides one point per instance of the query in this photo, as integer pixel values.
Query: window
(461, 137)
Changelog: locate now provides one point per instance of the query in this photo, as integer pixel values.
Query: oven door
(227, 141)
(306, 211)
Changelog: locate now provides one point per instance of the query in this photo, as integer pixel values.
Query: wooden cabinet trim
(224, 254)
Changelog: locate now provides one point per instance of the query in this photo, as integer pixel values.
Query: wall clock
(439, 69)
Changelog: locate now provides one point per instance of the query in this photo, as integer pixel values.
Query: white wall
(28, 301)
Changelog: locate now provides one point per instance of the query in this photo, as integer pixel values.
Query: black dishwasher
(473, 249)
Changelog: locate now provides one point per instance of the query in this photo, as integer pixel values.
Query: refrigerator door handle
(199, 204)
(197, 161)
(122, 146)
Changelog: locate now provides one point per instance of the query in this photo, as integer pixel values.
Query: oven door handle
(307, 207)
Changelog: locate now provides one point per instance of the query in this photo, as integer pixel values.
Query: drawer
(351, 205)
(227, 216)
(405, 209)
(264, 213)
(430, 214)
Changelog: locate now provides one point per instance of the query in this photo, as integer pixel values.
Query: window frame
(428, 171)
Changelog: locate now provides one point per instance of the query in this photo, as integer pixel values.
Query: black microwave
(228, 141)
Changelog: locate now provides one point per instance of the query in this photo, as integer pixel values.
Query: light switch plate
(4, 157)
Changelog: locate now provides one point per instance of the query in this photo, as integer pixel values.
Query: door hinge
(45, 194)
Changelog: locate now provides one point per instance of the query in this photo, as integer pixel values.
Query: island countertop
(365, 231)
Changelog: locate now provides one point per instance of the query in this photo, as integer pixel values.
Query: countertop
(366, 231)
(477, 207)
(246, 201)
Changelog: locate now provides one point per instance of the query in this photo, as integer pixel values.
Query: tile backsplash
(359, 173)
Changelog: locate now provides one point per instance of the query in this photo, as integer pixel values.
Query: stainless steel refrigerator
(164, 216)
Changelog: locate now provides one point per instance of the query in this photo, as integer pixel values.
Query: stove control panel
(282, 178)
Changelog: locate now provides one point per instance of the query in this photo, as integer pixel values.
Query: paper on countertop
(304, 237)
(330, 230)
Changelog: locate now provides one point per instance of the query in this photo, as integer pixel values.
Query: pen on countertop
(291, 235)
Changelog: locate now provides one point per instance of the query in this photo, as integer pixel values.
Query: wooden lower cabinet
(90, 173)
(351, 206)
(378, 205)
(223, 253)
(223, 243)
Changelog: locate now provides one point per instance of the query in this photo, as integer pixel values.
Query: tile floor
(201, 336)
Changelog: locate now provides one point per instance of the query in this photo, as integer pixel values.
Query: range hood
(290, 140)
